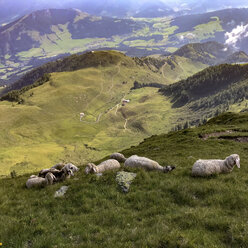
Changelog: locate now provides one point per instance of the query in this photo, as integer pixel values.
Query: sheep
(40, 182)
(118, 156)
(58, 166)
(209, 167)
(43, 172)
(146, 163)
(71, 167)
(66, 172)
(109, 164)
(59, 175)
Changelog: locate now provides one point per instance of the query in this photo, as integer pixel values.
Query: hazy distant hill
(237, 57)
(12, 9)
(210, 53)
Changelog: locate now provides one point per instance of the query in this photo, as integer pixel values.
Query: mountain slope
(218, 85)
(48, 115)
(210, 53)
(237, 57)
(45, 35)
(160, 210)
(172, 68)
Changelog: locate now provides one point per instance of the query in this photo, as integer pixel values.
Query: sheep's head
(233, 160)
(90, 167)
(169, 168)
(71, 167)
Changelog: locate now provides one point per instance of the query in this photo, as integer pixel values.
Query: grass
(180, 68)
(204, 31)
(46, 128)
(161, 210)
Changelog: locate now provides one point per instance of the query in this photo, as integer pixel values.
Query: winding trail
(125, 124)
(163, 70)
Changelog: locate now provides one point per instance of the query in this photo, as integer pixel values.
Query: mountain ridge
(25, 44)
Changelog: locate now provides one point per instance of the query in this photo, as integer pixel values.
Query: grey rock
(61, 192)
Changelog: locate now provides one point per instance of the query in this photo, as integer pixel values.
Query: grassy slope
(178, 68)
(46, 129)
(161, 210)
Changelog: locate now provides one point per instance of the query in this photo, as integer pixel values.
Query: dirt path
(163, 69)
(117, 107)
(99, 117)
(125, 124)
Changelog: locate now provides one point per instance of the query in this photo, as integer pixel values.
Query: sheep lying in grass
(52, 175)
(209, 167)
(118, 156)
(66, 172)
(109, 164)
(146, 163)
(40, 182)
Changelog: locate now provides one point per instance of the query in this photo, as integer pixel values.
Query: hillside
(45, 35)
(215, 86)
(237, 57)
(40, 122)
(161, 210)
(183, 63)
(41, 125)
(210, 53)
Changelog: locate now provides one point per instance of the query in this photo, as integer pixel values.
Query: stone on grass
(124, 180)
(61, 192)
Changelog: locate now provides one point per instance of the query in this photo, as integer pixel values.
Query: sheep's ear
(238, 162)
(71, 173)
(94, 169)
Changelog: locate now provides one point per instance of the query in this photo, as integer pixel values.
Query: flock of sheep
(60, 172)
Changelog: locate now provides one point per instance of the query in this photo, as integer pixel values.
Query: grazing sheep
(40, 182)
(109, 164)
(209, 167)
(146, 163)
(118, 156)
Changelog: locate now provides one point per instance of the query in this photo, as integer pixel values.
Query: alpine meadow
(123, 124)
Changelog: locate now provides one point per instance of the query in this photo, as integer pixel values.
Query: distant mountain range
(11, 9)
(49, 34)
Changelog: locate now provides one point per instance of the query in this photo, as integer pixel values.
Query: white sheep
(39, 182)
(71, 167)
(65, 172)
(58, 166)
(118, 156)
(109, 164)
(146, 163)
(215, 166)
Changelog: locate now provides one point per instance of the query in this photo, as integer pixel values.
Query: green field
(46, 129)
(161, 210)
